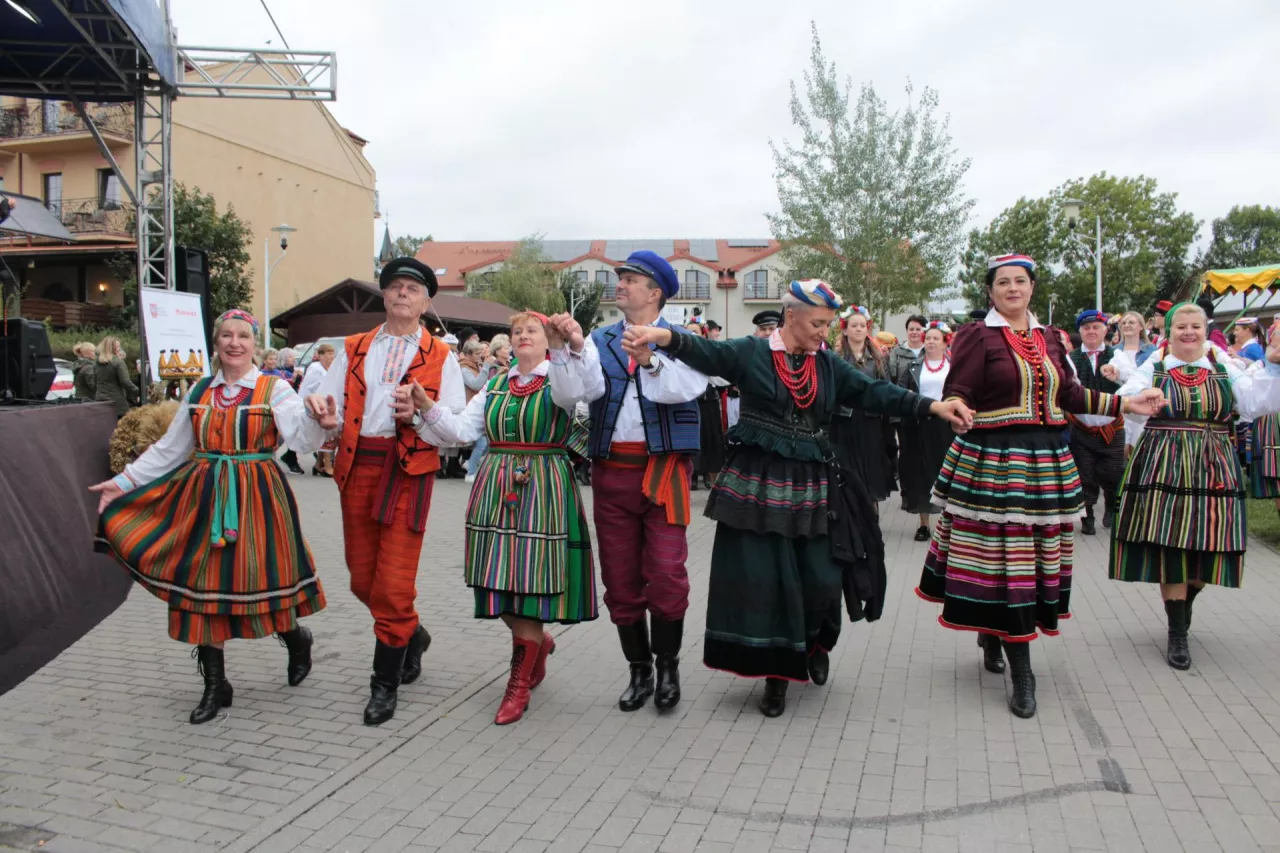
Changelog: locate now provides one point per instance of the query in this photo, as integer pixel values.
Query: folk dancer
(205, 521)
(644, 429)
(1097, 441)
(386, 467)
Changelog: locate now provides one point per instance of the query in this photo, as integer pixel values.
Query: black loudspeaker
(191, 275)
(26, 362)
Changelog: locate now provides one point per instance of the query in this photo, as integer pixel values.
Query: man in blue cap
(644, 430)
(1097, 442)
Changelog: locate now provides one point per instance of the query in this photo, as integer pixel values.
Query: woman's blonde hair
(215, 363)
(269, 354)
(498, 341)
(324, 349)
(107, 349)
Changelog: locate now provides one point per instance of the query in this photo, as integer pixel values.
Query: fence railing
(757, 290)
(93, 216)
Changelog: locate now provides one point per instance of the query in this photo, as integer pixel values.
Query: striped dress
(1181, 513)
(218, 537)
(528, 544)
(1264, 457)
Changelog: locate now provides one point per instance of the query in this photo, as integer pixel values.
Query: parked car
(64, 384)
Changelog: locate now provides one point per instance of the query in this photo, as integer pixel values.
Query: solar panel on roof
(619, 249)
(757, 243)
(565, 250)
(705, 249)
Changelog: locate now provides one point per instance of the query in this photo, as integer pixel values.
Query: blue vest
(667, 429)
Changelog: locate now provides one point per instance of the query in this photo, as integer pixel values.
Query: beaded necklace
(802, 382)
(528, 387)
(221, 399)
(1030, 345)
(938, 369)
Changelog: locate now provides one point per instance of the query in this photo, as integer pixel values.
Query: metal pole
(266, 293)
(1097, 260)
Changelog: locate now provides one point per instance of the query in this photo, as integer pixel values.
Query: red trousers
(382, 558)
(642, 556)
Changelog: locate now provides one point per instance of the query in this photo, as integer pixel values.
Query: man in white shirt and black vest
(1097, 442)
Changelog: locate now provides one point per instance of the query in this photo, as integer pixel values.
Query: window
(757, 285)
(697, 285)
(53, 193)
(581, 276)
(609, 279)
(108, 190)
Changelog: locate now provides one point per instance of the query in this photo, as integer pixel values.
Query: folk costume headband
(1024, 261)
(815, 292)
(242, 315)
(850, 311)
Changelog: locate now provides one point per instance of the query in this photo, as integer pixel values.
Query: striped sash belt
(226, 494)
(394, 483)
(666, 478)
(1105, 433)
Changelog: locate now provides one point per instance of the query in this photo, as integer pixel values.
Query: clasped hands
(636, 341)
(562, 328)
(1147, 402)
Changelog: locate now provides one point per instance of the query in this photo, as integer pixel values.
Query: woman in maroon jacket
(1001, 556)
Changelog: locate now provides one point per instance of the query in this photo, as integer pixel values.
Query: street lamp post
(1071, 207)
(284, 230)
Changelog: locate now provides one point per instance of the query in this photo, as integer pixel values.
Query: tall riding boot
(217, 690)
(1178, 654)
(524, 654)
(992, 656)
(299, 643)
(666, 652)
(774, 701)
(1023, 701)
(1192, 592)
(635, 646)
(418, 644)
(388, 661)
(547, 648)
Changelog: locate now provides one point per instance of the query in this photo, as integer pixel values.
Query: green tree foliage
(226, 237)
(408, 245)
(527, 280)
(582, 298)
(1146, 243)
(871, 201)
(1246, 237)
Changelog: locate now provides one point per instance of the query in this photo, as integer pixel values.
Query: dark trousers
(1101, 465)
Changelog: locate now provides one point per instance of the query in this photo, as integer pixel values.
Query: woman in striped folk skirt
(1181, 516)
(205, 521)
(1001, 556)
(528, 545)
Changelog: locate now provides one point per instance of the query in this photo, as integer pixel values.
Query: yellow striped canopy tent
(1242, 279)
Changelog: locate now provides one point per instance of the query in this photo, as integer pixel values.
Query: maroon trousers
(642, 556)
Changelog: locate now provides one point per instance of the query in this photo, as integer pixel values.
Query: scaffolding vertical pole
(154, 182)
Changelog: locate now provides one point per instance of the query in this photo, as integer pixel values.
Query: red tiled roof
(460, 257)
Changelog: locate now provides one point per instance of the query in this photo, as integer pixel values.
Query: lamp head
(1071, 207)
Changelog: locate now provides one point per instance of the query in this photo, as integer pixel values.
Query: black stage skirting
(53, 587)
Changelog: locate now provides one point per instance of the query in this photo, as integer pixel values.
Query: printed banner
(174, 325)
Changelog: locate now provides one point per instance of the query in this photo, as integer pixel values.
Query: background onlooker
(83, 371)
(111, 377)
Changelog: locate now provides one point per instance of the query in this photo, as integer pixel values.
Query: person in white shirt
(373, 399)
(1097, 441)
(316, 370)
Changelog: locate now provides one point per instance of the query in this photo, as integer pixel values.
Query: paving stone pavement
(908, 747)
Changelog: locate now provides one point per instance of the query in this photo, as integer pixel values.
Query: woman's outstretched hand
(107, 492)
(1148, 402)
(954, 412)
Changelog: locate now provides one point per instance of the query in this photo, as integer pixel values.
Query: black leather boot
(1192, 592)
(666, 652)
(635, 646)
(299, 643)
(819, 667)
(774, 701)
(217, 690)
(1087, 526)
(1178, 654)
(1023, 701)
(387, 664)
(418, 645)
(992, 656)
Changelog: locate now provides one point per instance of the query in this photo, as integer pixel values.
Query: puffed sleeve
(1257, 392)
(575, 377)
(292, 420)
(442, 427)
(310, 432)
(173, 449)
(1139, 381)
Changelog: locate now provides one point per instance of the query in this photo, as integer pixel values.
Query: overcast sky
(494, 119)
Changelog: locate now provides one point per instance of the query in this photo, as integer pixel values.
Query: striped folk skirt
(166, 532)
(1182, 507)
(1264, 458)
(528, 543)
(1001, 557)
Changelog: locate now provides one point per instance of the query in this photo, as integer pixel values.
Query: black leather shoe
(1023, 701)
(217, 690)
(635, 646)
(299, 643)
(1108, 518)
(1178, 653)
(418, 645)
(774, 701)
(819, 667)
(922, 534)
(667, 637)
(992, 654)
(1192, 592)
(1087, 526)
(388, 661)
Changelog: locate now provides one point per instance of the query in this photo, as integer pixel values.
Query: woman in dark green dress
(780, 562)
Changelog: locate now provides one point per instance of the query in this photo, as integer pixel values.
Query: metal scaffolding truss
(152, 122)
(230, 72)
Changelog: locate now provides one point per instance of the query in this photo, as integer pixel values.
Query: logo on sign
(155, 310)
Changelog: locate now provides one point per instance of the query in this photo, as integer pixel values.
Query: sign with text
(174, 326)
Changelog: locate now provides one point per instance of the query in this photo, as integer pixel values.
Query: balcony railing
(759, 290)
(48, 118)
(66, 315)
(694, 290)
(93, 216)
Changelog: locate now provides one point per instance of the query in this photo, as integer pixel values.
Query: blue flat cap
(1089, 315)
(654, 266)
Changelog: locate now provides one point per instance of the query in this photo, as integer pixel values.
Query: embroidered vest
(667, 429)
(1088, 378)
(415, 455)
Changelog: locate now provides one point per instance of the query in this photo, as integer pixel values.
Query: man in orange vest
(372, 396)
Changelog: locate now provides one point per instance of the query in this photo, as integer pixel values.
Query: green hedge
(61, 341)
